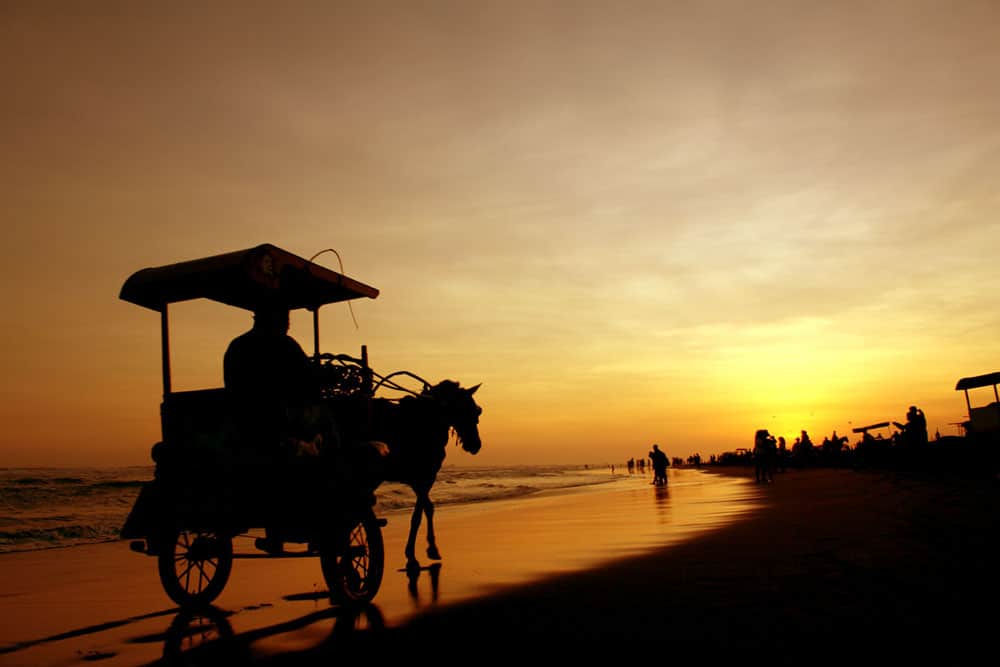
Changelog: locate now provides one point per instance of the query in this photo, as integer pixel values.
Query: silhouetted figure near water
(782, 454)
(659, 461)
(764, 449)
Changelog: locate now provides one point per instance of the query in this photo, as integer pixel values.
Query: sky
(632, 222)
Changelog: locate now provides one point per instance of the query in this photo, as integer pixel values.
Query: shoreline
(820, 557)
(61, 605)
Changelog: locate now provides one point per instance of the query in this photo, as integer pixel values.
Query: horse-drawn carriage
(210, 486)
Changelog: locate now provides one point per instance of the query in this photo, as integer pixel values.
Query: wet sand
(819, 566)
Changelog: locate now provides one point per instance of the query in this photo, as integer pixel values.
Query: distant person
(764, 448)
(803, 451)
(916, 427)
(782, 454)
(659, 461)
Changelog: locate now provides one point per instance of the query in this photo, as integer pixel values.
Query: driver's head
(271, 315)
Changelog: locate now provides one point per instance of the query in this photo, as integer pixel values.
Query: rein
(385, 380)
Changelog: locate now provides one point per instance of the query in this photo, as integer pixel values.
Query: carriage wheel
(195, 565)
(353, 568)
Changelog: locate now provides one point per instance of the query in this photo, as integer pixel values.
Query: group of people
(659, 461)
(765, 455)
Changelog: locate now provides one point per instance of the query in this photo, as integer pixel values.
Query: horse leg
(410, 551)
(432, 550)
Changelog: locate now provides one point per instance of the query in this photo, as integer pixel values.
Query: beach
(820, 565)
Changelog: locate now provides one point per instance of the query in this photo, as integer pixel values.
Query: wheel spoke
(197, 567)
(201, 577)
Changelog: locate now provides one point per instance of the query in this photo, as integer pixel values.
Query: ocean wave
(34, 481)
(30, 539)
(45, 508)
(119, 484)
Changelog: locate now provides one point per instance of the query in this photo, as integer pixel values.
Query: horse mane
(420, 421)
(443, 385)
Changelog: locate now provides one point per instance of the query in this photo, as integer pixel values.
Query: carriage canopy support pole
(366, 371)
(165, 348)
(367, 379)
(316, 332)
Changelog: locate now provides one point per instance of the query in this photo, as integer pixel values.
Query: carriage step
(382, 522)
(269, 546)
(282, 554)
(138, 546)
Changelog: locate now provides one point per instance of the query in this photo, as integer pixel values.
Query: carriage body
(211, 483)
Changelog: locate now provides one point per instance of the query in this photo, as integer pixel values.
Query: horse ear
(472, 390)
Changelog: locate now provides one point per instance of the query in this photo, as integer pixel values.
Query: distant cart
(207, 490)
(985, 419)
(882, 430)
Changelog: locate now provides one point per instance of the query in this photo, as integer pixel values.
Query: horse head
(460, 411)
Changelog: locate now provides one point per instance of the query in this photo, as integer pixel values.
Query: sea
(46, 508)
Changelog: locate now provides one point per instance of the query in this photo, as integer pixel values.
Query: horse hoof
(433, 553)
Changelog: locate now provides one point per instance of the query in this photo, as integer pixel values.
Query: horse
(416, 430)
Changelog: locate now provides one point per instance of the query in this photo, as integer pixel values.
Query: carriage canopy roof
(243, 279)
(987, 380)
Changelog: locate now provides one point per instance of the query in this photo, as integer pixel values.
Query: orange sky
(633, 222)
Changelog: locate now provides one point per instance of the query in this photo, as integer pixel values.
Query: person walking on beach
(659, 461)
(764, 449)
